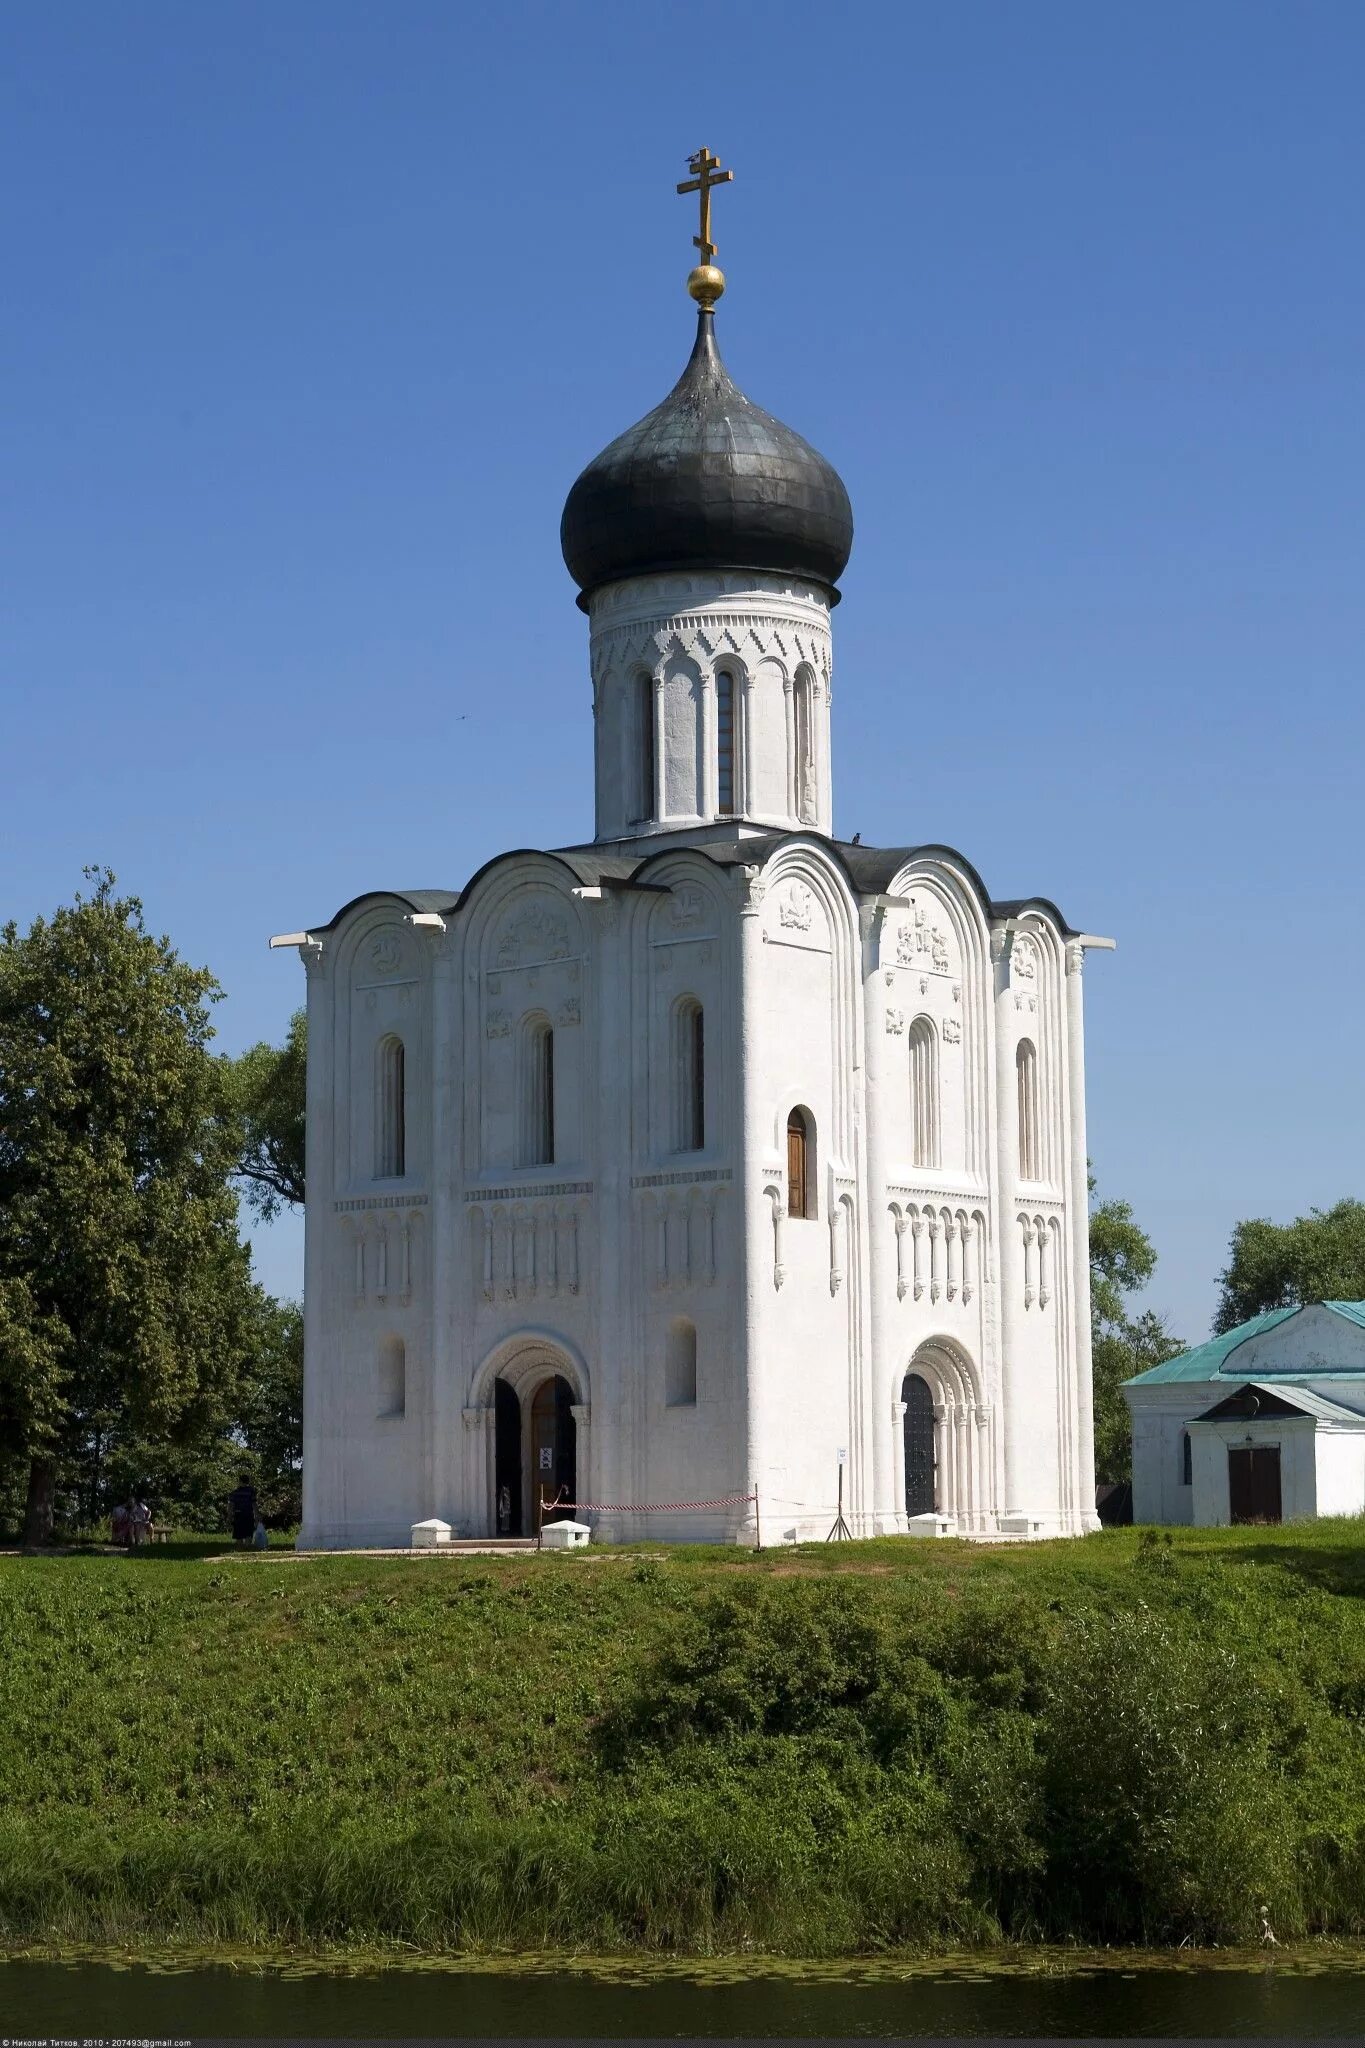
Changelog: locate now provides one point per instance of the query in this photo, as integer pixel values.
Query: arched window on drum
(805, 789)
(725, 743)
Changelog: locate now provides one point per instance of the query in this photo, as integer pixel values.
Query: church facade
(714, 1157)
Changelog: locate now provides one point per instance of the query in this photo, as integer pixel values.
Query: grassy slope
(819, 1751)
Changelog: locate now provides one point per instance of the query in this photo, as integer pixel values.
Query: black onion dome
(706, 481)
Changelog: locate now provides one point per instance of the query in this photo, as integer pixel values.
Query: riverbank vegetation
(819, 1752)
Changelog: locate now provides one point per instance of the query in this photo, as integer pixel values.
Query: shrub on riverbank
(812, 1752)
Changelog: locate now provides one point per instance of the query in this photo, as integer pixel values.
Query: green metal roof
(1216, 1360)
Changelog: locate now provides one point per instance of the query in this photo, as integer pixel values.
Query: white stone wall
(601, 1264)
(1159, 1417)
(1340, 1470)
(676, 633)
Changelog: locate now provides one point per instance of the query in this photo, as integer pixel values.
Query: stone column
(1013, 1394)
(898, 1459)
(321, 1421)
(760, 1233)
(708, 779)
(883, 1236)
(479, 1470)
(1078, 1217)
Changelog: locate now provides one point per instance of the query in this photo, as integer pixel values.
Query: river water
(75, 1999)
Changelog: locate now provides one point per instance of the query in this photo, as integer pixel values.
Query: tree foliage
(127, 1312)
(1122, 1261)
(1317, 1257)
(268, 1088)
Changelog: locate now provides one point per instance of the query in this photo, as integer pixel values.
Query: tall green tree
(1122, 1261)
(127, 1310)
(1317, 1257)
(268, 1086)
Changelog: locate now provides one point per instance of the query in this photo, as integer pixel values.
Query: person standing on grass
(242, 1508)
(141, 1522)
(120, 1524)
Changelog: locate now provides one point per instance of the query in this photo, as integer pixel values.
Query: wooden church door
(919, 1446)
(1254, 1484)
(554, 1442)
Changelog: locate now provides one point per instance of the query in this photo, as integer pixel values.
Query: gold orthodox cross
(706, 172)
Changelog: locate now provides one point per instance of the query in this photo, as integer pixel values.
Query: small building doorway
(1254, 1483)
(554, 1443)
(920, 1489)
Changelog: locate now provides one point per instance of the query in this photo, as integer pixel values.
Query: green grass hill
(822, 1751)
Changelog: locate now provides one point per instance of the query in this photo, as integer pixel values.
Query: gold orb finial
(706, 283)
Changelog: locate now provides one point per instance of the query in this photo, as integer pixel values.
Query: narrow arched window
(680, 1387)
(725, 743)
(390, 1111)
(642, 720)
(803, 734)
(393, 1377)
(689, 1077)
(538, 1094)
(1186, 1461)
(1026, 1070)
(800, 1164)
(924, 1092)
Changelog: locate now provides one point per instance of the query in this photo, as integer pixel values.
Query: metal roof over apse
(708, 480)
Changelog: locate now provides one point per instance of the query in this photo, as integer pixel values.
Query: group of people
(132, 1522)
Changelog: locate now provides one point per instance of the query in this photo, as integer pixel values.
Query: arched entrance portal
(921, 1497)
(945, 1438)
(535, 1452)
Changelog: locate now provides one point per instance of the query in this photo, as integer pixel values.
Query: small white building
(1263, 1424)
(716, 1152)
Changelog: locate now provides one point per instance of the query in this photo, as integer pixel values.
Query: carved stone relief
(533, 934)
(526, 1249)
(796, 907)
(386, 952)
(920, 943)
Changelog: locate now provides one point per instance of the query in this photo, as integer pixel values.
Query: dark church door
(553, 1444)
(1254, 1483)
(506, 1460)
(919, 1446)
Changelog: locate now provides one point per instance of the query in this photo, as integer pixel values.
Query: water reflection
(45, 1999)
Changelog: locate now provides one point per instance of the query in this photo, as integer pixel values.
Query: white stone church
(715, 1155)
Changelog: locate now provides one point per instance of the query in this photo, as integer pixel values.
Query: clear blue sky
(315, 311)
